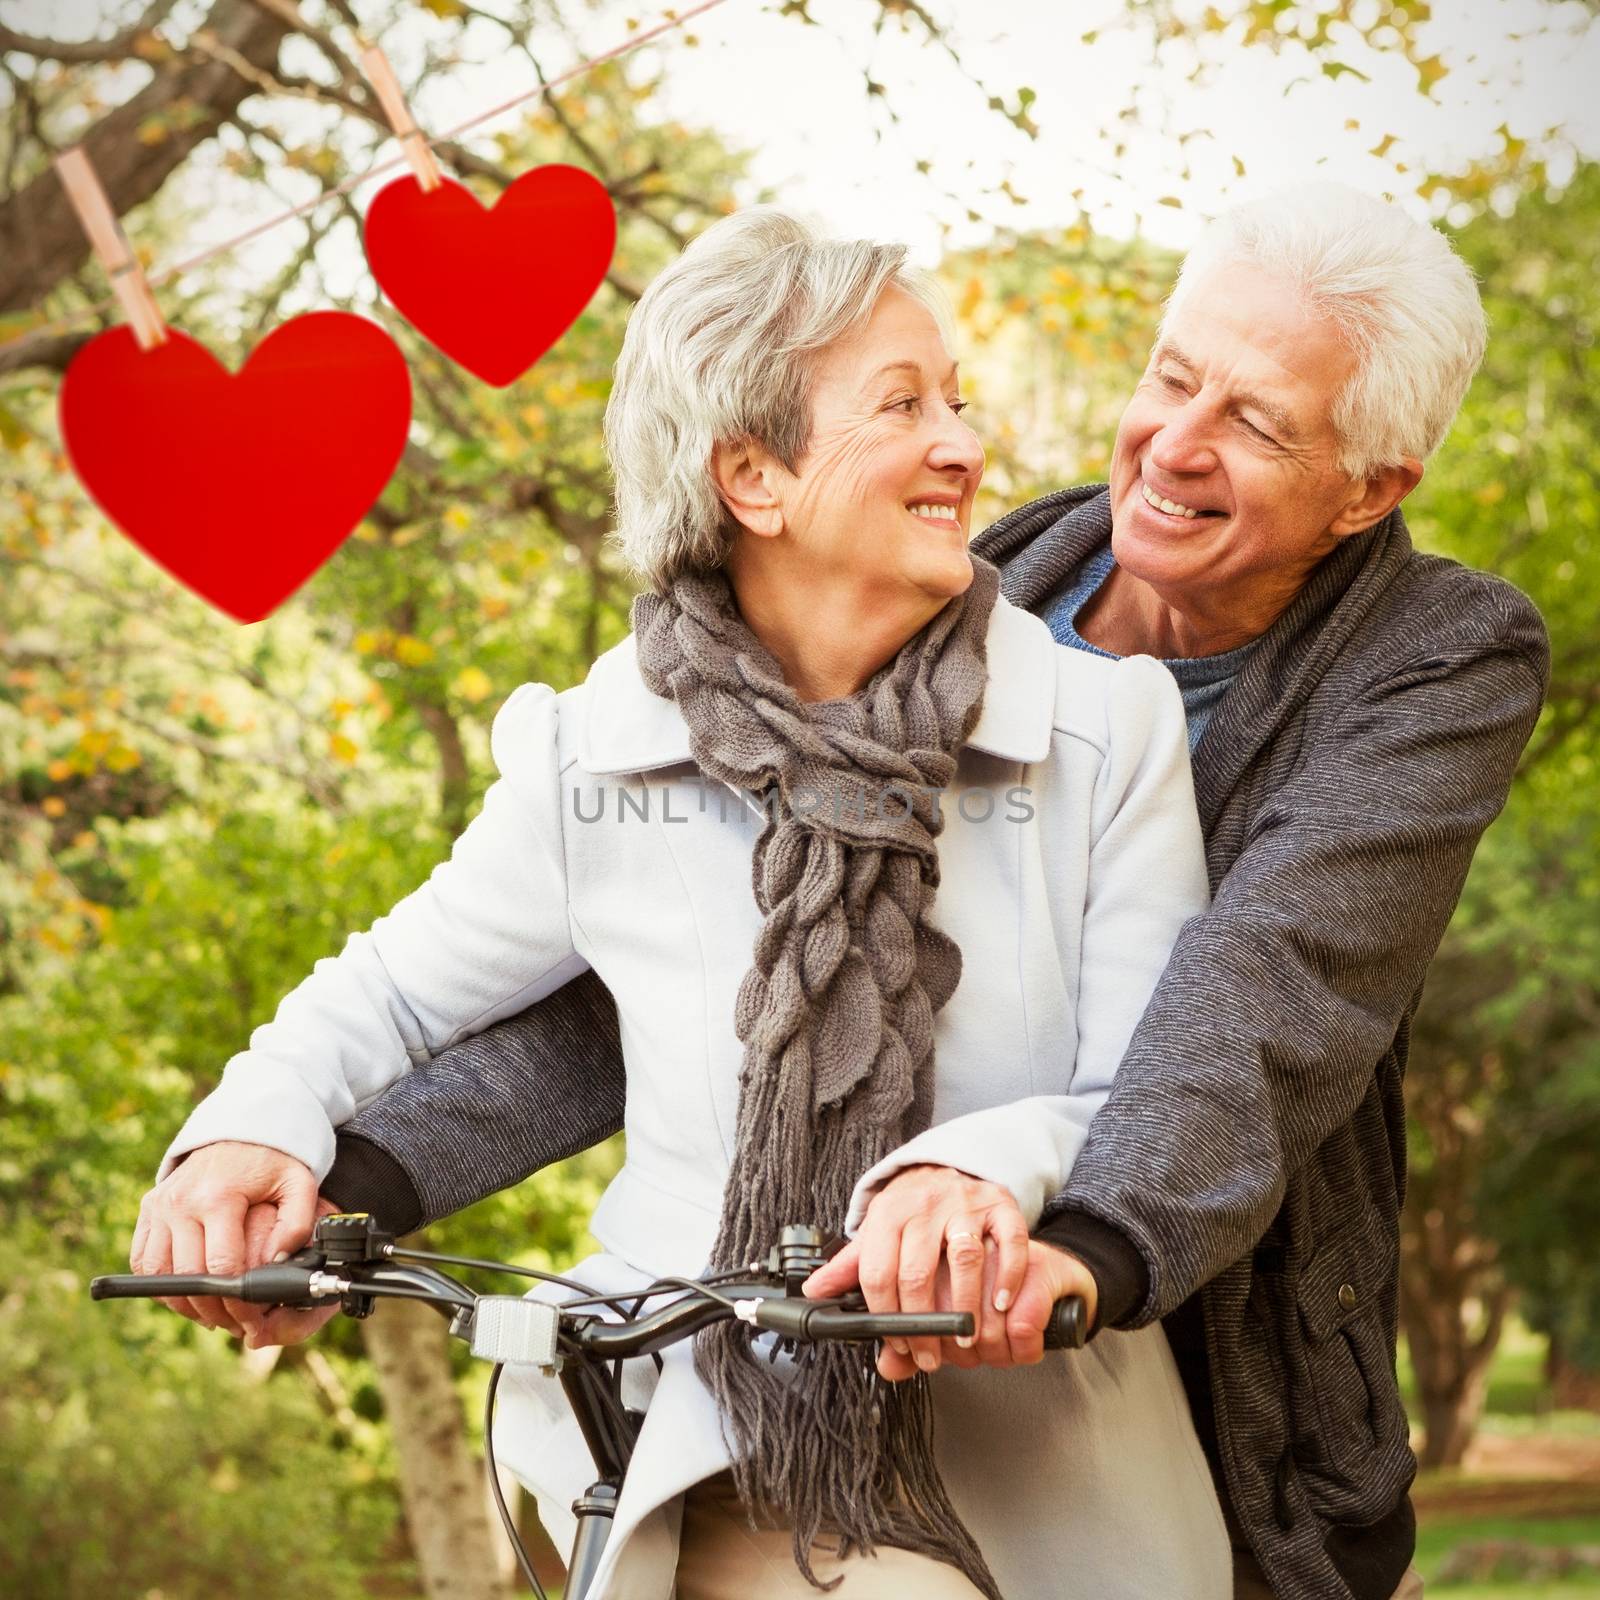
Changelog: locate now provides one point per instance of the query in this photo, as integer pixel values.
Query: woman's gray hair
(1405, 301)
(721, 349)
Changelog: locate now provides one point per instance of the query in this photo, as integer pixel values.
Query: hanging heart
(493, 288)
(241, 486)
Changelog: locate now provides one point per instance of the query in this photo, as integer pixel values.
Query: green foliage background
(191, 814)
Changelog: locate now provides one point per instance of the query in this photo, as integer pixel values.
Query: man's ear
(747, 477)
(1372, 499)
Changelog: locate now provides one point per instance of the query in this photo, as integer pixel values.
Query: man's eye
(1172, 382)
(1265, 438)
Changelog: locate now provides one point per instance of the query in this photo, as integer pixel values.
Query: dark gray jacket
(1245, 1179)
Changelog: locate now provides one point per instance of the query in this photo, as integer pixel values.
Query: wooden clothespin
(413, 141)
(111, 247)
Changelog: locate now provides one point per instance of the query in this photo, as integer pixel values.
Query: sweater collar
(630, 729)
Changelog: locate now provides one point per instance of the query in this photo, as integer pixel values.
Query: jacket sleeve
(484, 937)
(1265, 1030)
(533, 1089)
(1146, 877)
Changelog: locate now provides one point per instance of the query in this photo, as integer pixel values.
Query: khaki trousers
(720, 1557)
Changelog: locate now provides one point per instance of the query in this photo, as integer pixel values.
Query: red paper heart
(240, 486)
(493, 289)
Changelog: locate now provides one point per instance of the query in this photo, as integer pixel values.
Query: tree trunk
(1453, 1306)
(41, 242)
(1453, 1295)
(1572, 1387)
(441, 1482)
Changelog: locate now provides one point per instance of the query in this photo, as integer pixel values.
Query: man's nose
(1184, 443)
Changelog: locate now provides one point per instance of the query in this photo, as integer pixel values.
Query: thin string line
(155, 279)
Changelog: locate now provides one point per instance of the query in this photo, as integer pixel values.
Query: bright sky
(795, 97)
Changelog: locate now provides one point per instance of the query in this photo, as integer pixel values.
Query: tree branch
(50, 351)
(117, 48)
(41, 242)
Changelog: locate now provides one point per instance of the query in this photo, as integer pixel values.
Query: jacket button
(1347, 1296)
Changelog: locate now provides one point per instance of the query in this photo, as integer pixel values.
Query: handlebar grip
(279, 1285)
(810, 1321)
(157, 1285)
(1068, 1327)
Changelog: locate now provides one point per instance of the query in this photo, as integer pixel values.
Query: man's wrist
(365, 1177)
(1122, 1280)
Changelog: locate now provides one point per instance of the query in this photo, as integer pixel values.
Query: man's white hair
(1405, 301)
(722, 349)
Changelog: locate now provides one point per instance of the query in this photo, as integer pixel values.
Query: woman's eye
(958, 406)
(907, 404)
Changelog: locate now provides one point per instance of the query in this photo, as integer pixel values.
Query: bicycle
(352, 1259)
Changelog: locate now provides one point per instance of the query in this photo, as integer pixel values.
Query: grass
(1536, 1499)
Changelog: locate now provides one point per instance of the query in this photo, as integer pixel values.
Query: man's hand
(925, 1224)
(195, 1221)
(1017, 1338)
(282, 1324)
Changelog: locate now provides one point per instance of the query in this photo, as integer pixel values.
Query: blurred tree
(1503, 1072)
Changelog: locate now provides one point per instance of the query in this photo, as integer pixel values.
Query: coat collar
(629, 729)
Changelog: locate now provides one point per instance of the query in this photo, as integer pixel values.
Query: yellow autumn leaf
(473, 684)
(53, 806)
(494, 606)
(411, 651)
(342, 749)
(342, 708)
(86, 840)
(123, 758)
(458, 517)
(58, 771)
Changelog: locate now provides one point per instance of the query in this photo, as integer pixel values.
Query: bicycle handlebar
(352, 1262)
(806, 1321)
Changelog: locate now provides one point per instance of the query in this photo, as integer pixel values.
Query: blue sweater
(1203, 680)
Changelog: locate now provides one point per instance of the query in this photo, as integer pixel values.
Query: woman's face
(883, 496)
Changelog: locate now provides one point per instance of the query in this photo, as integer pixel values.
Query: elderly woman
(970, 853)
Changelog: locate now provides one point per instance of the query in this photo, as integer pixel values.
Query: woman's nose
(956, 447)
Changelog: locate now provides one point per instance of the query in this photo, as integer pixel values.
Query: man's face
(1224, 478)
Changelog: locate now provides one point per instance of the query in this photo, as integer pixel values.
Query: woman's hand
(931, 1229)
(194, 1221)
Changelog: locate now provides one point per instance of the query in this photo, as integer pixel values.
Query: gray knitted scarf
(836, 1018)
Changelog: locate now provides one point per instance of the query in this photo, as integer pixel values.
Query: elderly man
(1356, 711)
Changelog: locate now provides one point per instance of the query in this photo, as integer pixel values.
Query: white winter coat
(1070, 857)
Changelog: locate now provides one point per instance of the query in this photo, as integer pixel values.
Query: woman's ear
(1372, 499)
(747, 478)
